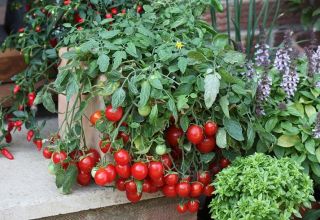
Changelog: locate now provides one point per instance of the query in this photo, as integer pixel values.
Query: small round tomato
(59, 157)
(105, 145)
(47, 153)
(155, 169)
(83, 178)
(139, 9)
(195, 134)
(122, 157)
(139, 170)
(169, 191)
(38, 143)
(166, 161)
(146, 186)
(101, 177)
(134, 197)
(131, 186)
(173, 135)
(94, 154)
(125, 137)
(204, 177)
(108, 15)
(210, 128)
(124, 171)
(208, 190)
(114, 114)
(95, 117)
(161, 149)
(182, 208)
(114, 11)
(153, 189)
(30, 135)
(171, 179)
(144, 111)
(86, 164)
(193, 206)
(207, 145)
(159, 182)
(183, 189)
(38, 28)
(196, 189)
(111, 172)
(224, 162)
(8, 137)
(124, 11)
(121, 185)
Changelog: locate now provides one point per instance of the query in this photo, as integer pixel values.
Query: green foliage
(261, 187)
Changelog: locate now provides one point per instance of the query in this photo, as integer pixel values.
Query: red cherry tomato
(139, 170)
(16, 89)
(171, 179)
(139, 9)
(207, 145)
(193, 206)
(123, 171)
(108, 15)
(101, 177)
(121, 185)
(122, 157)
(196, 189)
(131, 186)
(195, 134)
(31, 98)
(53, 42)
(183, 189)
(38, 28)
(114, 114)
(125, 137)
(83, 178)
(86, 164)
(156, 169)
(124, 11)
(94, 154)
(114, 11)
(6, 153)
(173, 135)
(182, 208)
(38, 143)
(8, 137)
(167, 162)
(111, 172)
(134, 197)
(210, 128)
(30, 135)
(204, 177)
(169, 191)
(158, 182)
(208, 190)
(146, 186)
(47, 153)
(105, 145)
(224, 162)
(59, 157)
(95, 117)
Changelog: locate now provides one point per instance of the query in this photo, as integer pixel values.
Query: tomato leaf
(172, 107)
(221, 138)
(211, 89)
(182, 64)
(184, 122)
(103, 62)
(206, 158)
(69, 179)
(132, 50)
(118, 98)
(145, 93)
(48, 102)
(118, 57)
(224, 103)
(233, 128)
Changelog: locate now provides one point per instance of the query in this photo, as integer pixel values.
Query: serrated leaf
(48, 102)
(211, 89)
(103, 62)
(109, 34)
(234, 57)
(221, 138)
(153, 114)
(72, 88)
(182, 64)
(118, 57)
(224, 103)
(288, 141)
(118, 98)
(182, 102)
(233, 128)
(172, 107)
(184, 122)
(156, 83)
(197, 56)
(145, 93)
(69, 179)
(132, 50)
(132, 87)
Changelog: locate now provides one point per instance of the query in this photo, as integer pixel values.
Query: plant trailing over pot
(261, 187)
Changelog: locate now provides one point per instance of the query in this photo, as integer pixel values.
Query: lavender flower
(316, 130)
(263, 92)
(290, 80)
(282, 61)
(250, 71)
(262, 51)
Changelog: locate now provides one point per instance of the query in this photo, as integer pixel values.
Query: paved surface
(28, 191)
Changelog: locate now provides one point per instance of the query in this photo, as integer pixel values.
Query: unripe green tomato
(138, 143)
(161, 149)
(144, 110)
(51, 168)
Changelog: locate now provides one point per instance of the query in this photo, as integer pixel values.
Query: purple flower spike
(290, 80)
(282, 61)
(316, 130)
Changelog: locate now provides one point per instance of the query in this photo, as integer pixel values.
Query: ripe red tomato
(146, 186)
(171, 179)
(38, 143)
(155, 169)
(224, 162)
(38, 28)
(94, 154)
(76, 154)
(131, 186)
(166, 161)
(214, 168)
(124, 11)
(122, 157)
(158, 182)
(83, 178)
(121, 185)
(31, 98)
(95, 117)
(210, 128)
(114, 11)
(59, 157)
(196, 189)
(208, 190)
(47, 153)
(111, 172)
(108, 15)
(125, 137)
(186, 179)
(173, 135)
(139, 170)
(86, 164)
(195, 134)
(169, 191)
(139, 9)
(114, 114)
(105, 145)
(182, 208)
(8, 137)
(16, 89)
(124, 171)
(134, 197)
(204, 177)
(183, 189)
(207, 145)
(30, 135)
(101, 177)
(193, 206)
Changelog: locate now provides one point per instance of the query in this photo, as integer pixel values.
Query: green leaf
(72, 87)
(318, 154)
(234, 57)
(156, 83)
(118, 97)
(48, 102)
(288, 141)
(145, 93)
(224, 103)
(69, 179)
(132, 50)
(79, 113)
(184, 122)
(271, 124)
(197, 56)
(172, 108)
(109, 34)
(315, 167)
(182, 102)
(211, 89)
(153, 114)
(233, 128)
(207, 158)
(250, 137)
(103, 62)
(118, 57)
(220, 41)
(310, 146)
(182, 64)
(221, 138)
